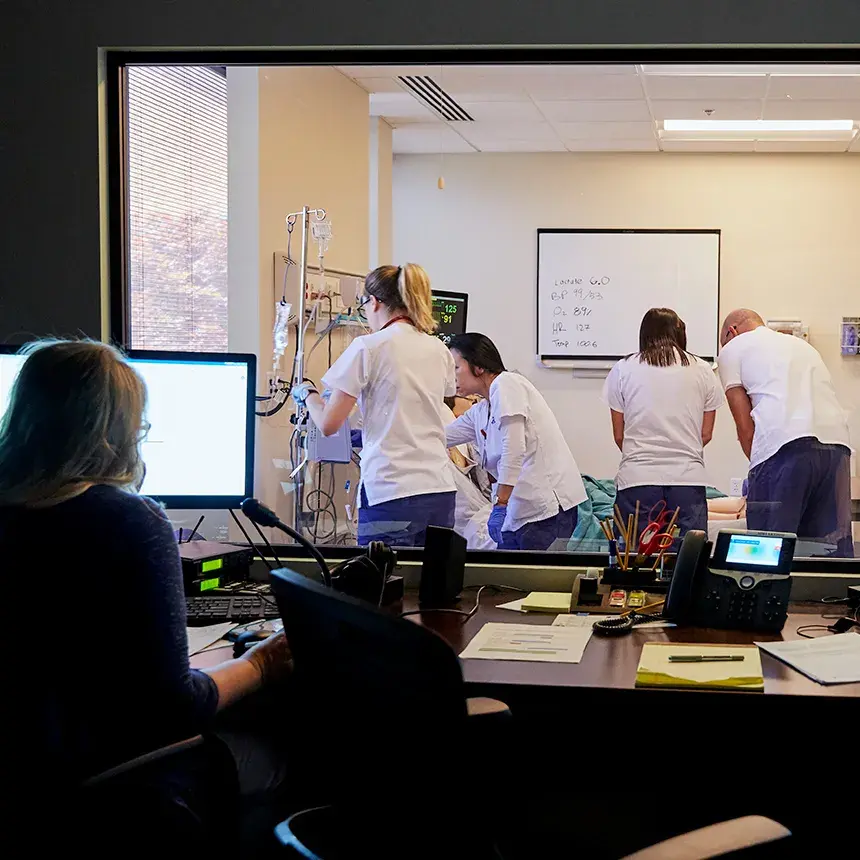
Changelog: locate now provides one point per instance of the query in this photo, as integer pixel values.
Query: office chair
(323, 834)
(144, 803)
(385, 706)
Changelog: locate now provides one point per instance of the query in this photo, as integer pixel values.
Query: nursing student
(399, 375)
(537, 484)
(794, 431)
(663, 402)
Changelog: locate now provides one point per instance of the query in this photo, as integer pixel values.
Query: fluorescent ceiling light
(758, 126)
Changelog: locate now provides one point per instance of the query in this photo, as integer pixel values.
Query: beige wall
(381, 163)
(300, 137)
(789, 249)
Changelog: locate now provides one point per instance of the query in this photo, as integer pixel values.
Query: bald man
(792, 429)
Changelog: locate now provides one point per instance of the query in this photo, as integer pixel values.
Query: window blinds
(177, 183)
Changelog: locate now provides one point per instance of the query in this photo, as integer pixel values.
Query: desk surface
(608, 663)
(611, 662)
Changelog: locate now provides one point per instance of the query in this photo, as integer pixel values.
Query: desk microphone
(258, 513)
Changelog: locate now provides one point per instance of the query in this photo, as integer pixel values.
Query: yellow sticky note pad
(547, 601)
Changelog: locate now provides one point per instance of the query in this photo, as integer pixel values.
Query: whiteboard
(594, 287)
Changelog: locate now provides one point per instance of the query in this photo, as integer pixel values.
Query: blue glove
(355, 439)
(300, 392)
(496, 521)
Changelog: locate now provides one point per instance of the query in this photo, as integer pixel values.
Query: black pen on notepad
(706, 658)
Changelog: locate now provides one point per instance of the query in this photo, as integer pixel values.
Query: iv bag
(281, 332)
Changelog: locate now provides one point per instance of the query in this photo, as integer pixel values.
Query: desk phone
(746, 585)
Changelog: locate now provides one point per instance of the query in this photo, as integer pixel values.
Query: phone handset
(692, 560)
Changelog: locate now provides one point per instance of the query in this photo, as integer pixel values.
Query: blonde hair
(404, 288)
(75, 419)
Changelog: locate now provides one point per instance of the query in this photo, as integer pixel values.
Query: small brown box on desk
(608, 593)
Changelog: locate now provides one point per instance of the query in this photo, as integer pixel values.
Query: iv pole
(299, 367)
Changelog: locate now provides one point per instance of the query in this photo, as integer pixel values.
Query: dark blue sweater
(94, 601)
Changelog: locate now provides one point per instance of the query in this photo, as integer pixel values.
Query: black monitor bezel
(199, 501)
(450, 294)
(723, 541)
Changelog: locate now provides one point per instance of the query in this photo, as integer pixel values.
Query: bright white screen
(197, 412)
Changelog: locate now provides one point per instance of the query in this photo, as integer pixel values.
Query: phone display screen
(754, 550)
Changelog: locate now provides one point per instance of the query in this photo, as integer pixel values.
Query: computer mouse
(247, 638)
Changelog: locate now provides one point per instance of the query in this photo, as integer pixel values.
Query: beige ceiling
(619, 108)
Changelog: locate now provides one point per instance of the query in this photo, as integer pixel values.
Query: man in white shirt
(792, 428)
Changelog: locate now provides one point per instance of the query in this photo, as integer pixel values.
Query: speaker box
(442, 570)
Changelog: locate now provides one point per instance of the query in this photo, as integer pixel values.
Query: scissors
(650, 540)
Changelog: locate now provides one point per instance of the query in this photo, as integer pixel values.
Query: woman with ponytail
(399, 376)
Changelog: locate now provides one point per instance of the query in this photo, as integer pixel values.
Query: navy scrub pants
(403, 522)
(805, 489)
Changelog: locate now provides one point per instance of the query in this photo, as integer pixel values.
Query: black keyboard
(239, 608)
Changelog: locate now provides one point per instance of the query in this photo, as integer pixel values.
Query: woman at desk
(663, 402)
(399, 375)
(70, 469)
(537, 483)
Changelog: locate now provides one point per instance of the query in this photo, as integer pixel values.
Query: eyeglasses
(364, 300)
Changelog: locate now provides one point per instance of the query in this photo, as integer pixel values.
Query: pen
(702, 658)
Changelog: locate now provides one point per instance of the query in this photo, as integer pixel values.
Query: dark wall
(49, 250)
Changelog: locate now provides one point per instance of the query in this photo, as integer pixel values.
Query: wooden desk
(610, 663)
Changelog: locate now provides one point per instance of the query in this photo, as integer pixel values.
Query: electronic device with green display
(449, 311)
(207, 565)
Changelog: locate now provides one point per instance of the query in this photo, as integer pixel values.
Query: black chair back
(368, 684)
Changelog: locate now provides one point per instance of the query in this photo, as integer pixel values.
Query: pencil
(619, 521)
(628, 537)
(635, 535)
(605, 529)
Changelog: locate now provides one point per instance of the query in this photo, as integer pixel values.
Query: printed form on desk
(825, 659)
(536, 643)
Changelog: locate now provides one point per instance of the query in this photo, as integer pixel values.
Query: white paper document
(531, 642)
(588, 621)
(826, 659)
(202, 637)
(515, 605)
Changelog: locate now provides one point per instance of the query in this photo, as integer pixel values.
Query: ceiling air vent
(428, 91)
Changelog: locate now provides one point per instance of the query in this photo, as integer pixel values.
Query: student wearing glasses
(537, 485)
(663, 403)
(399, 376)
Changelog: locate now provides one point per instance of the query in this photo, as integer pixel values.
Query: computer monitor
(199, 451)
(449, 311)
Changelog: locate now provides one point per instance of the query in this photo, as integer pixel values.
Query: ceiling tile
(523, 146)
(584, 87)
(485, 132)
(708, 146)
(807, 109)
(379, 85)
(801, 146)
(820, 87)
(428, 138)
(399, 105)
(605, 130)
(542, 69)
(387, 71)
(495, 111)
(695, 88)
(685, 109)
(592, 111)
(611, 145)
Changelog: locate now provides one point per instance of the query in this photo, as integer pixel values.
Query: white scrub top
(400, 377)
(790, 388)
(549, 478)
(663, 410)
